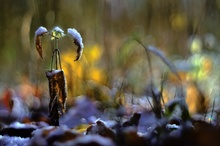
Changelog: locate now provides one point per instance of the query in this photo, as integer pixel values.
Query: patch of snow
(87, 139)
(39, 136)
(172, 126)
(13, 141)
(18, 125)
(38, 132)
(58, 131)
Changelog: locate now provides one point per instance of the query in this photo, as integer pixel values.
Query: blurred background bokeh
(187, 31)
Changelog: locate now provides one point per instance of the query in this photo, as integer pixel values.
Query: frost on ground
(85, 125)
(13, 141)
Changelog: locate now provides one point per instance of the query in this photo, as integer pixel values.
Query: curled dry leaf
(77, 39)
(38, 33)
(58, 94)
(101, 129)
(134, 120)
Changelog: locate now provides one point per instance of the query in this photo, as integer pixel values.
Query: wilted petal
(40, 32)
(39, 46)
(75, 35)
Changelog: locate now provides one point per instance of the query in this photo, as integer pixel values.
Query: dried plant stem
(56, 55)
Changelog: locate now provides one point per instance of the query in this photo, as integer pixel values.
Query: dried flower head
(57, 33)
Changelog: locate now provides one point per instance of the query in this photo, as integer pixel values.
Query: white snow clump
(40, 31)
(74, 34)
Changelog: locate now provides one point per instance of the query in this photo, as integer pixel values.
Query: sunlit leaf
(39, 32)
(77, 39)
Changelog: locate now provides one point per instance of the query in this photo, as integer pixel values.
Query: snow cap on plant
(77, 39)
(38, 33)
(57, 33)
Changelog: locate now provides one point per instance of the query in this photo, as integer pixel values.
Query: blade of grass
(164, 59)
(213, 106)
(160, 54)
(148, 60)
